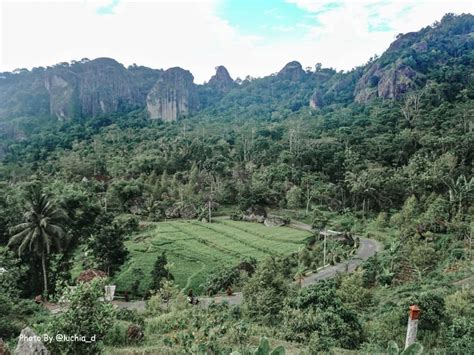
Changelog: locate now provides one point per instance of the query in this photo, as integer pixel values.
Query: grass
(195, 250)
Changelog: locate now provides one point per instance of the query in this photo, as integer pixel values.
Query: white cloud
(190, 34)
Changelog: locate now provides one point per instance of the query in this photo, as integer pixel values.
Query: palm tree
(41, 231)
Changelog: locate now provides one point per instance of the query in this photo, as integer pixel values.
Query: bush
(134, 333)
(432, 310)
(352, 292)
(117, 334)
(9, 327)
(167, 322)
(128, 223)
(167, 299)
(461, 335)
(130, 316)
(233, 277)
(381, 221)
(317, 309)
(86, 316)
(160, 272)
(221, 280)
(294, 197)
(265, 292)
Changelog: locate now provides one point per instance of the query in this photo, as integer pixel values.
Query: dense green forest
(395, 169)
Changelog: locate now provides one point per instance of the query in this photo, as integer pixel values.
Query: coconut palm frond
(23, 245)
(20, 227)
(17, 238)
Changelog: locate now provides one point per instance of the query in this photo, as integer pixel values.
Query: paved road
(367, 248)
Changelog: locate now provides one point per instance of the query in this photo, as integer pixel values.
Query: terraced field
(197, 249)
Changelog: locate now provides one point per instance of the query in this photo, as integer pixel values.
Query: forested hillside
(384, 151)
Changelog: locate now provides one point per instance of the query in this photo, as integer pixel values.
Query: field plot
(197, 249)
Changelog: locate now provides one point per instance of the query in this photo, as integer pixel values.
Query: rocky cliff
(22, 93)
(222, 80)
(388, 82)
(92, 88)
(414, 58)
(174, 95)
(85, 88)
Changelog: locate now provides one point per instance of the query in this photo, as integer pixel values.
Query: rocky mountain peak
(292, 71)
(222, 80)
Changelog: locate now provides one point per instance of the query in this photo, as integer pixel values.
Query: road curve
(367, 248)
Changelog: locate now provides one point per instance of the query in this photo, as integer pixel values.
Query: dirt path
(367, 248)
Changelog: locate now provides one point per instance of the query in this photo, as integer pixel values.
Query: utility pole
(412, 327)
(324, 249)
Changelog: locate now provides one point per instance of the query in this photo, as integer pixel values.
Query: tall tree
(42, 230)
(160, 272)
(107, 245)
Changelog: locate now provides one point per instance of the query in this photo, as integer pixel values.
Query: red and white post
(412, 325)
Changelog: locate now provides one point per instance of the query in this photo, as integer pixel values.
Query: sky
(248, 37)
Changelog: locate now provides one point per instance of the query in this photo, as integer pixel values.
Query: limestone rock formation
(293, 71)
(390, 82)
(255, 214)
(90, 88)
(274, 221)
(396, 81)
(180, 210)
(62, 90)
(316, 100)
(30, 344)
(222, 80)
(173, 95)
(22, 93)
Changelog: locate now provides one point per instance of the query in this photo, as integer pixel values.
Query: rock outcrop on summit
(292, 71)
(174, 95)
(89, 88)
(222, 81)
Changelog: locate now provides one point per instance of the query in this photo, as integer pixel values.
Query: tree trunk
(308, 201)
(209, 211)
(45, 276)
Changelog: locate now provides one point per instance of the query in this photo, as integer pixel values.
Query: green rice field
(195, 249)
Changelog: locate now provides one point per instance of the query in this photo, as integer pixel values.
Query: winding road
(367, 248)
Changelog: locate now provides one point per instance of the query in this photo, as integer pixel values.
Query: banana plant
(413, 349)
(264, 349)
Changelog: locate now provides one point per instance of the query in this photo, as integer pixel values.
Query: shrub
(86, 316)
(317, 309)
(128, 223)
(460, 336)
(130, 316)
(265, 292)
(117, 334)
(432, 310)
(221, 280)
(167, 299)
(160, 272)
(134, 333)
(352, 292)
(381, 220)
